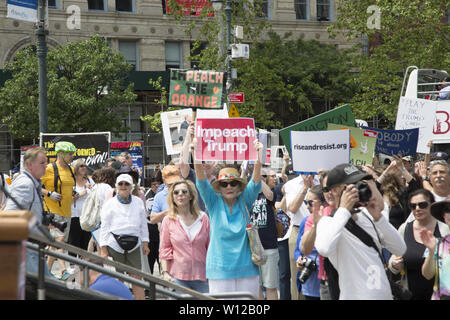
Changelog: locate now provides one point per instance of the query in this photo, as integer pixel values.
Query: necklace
(124, 201)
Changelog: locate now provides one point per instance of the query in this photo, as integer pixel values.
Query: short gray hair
(31, 155)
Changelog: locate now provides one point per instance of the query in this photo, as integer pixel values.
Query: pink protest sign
(225, 139)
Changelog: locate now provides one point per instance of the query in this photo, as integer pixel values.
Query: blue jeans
(32, 263)
(284, 270)
(197, 285)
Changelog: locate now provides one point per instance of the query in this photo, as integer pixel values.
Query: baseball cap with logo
(346, 173)
(439, 156)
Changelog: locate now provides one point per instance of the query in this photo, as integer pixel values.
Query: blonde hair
(193, 205)
(77, 164)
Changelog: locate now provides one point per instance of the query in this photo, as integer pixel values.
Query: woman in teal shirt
(229, 267)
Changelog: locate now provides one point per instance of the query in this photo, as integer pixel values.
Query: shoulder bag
(258, 256)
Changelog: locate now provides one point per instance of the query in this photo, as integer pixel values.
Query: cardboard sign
(175, 125)
(196, 88)
(341, 115)
(225, 139)
(314, 150)
(417, 113)
(134, 148)
(362, 146)
(394, 142)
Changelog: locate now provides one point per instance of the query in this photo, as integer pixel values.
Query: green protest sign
(196, 88)
(341, 115)
(362, 145)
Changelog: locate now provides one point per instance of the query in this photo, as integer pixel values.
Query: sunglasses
(308, 202)
(225, 184)
(176, 192)
(83, 166)
(326, 189)
(422, 205)
(123, 184)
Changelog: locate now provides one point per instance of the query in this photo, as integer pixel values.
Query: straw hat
(228, 174)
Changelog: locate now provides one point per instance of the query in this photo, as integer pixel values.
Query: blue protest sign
(394, 142)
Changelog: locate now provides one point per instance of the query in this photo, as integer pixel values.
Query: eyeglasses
(123, 184)
(225, 184)
(176, 192)
(422, 205)
(308, 202)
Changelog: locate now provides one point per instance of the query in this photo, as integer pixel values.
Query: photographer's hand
(376, 203)
(54, 195)
(349, 197)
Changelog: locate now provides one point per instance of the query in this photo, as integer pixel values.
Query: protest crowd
(374, 232)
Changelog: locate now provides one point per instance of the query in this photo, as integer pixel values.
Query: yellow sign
(233, 112)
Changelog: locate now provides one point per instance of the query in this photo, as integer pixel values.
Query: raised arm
(185, 151)
(256, 177)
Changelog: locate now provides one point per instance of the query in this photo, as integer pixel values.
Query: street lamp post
(42, 62)
(217, 5)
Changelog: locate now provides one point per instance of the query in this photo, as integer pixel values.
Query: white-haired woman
(229, 267)
(124, 215)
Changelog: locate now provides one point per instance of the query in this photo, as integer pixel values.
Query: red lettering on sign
(442, 125)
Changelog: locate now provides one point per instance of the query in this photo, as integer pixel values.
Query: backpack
(90, 213)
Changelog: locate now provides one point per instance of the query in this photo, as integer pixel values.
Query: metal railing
(117, 270)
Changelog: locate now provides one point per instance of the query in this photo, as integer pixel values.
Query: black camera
(309, 266)
(364, 191)
(49, 218)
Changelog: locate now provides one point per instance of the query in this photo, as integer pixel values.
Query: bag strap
(362, 235)
(246, 213)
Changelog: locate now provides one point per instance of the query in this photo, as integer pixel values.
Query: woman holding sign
(229, 267)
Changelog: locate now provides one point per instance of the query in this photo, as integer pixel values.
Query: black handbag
(126, 242)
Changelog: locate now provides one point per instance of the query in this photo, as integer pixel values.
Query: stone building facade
(150, 40)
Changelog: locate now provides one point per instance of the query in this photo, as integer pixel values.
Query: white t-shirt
(194, 228)
(292, 188)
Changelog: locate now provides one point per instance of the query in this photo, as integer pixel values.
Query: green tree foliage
(85, 85)
(283, 78)
(411, 32)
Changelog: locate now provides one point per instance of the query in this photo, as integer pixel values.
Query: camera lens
(364, 191)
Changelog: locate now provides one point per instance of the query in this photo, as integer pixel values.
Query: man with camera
(26, 190)
(361, 272)
(58, 188)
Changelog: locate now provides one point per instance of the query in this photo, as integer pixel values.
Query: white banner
(314, 150)
(417, 113)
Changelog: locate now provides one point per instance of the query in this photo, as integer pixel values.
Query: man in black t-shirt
(262, 214)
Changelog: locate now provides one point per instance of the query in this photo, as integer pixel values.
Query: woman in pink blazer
(184, 238)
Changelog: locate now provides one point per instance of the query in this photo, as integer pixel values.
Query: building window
(324, 10)
(264, 7)
(129, 49)
(173, 55)
(125, 5)
(197, 51)
(301, 9)
(98, 5)
(52, 4)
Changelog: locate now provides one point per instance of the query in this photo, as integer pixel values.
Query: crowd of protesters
(322, 238)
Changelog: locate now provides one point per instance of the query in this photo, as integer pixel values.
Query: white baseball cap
(124, 178)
